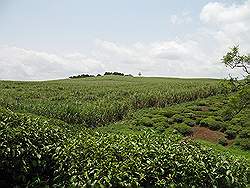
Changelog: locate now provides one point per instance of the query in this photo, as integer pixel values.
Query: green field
(120, 131)
(97, 101)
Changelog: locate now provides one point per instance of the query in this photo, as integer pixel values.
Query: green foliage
(97, 101)
(27, 148)
(238, 102)
(190, 122)
(201, 103)
(44, 154)
(145, 121)
(223, 141)
(211, 123)
(166, 113)
(241, 100)
(178, 118)
(213, 119)
(183, 129)
(41, 150)
(233, 59)
(230, 134)
(244, 133)
(243, 143)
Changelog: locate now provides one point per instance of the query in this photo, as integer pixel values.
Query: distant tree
(114, 73)
(139, 74)
(107, 73)
(98, 75)
(118, 74)
(81, 76)
(241, 99)
(129, 75)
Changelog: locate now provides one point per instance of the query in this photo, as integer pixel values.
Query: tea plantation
(116, 131)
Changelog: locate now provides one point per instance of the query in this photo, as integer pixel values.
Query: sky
(54, 39)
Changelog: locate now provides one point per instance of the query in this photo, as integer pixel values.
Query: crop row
(98, 101)
(35, 151)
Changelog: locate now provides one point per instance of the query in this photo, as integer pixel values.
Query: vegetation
(82, 76)
(36, 151)
(97, 101)
(241, 99)
(207, 112)
(142, 136)
(105, 74)
(114, 73)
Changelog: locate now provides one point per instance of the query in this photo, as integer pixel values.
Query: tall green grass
(100, 100)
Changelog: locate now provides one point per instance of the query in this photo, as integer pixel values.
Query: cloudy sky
(45, 39)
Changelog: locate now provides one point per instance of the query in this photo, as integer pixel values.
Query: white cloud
(183, 18)
(196, 55)
(23, 64)
(228, 24)
(219, 13)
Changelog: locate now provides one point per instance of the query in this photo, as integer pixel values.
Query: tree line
(105, 74)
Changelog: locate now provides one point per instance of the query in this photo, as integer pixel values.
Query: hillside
(97, 101)
(115, 131)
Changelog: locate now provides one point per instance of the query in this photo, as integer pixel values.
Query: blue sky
(44, 24)
(116, 35)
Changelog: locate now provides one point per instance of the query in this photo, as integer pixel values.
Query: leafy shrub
(244, 134)
(145, 121)
(183, 129)
(201, 103)
(198, 120)
(27, 147)
(160, 128)
(230, 134)
(197, 108)
(223, 141)
(211, 123)
(190, 122)
(244, 143)
(159, 119)
(190, 115)
(161, 124)
(167, 113)
(238, 121)
(148, 160)
(178, 118)
(35, 153)
(213, 109)
(170, 121)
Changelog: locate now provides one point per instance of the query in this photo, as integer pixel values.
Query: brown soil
(206, 134)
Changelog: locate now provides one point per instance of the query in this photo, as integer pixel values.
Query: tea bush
(244, 143)
(183, 129)
(223, 141)
(27, 146)
(211, 123)
(230, 134)
(36, 152)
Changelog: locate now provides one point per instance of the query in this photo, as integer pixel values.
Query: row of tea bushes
(35, 151)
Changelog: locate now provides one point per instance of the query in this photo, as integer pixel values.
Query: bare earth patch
(206, 134)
